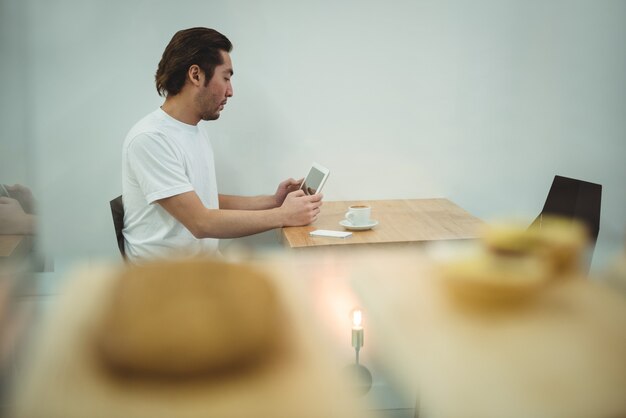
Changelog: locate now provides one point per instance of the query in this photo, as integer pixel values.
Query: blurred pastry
(183, 318)
(560, 243)
(516, 261)
(488, 279)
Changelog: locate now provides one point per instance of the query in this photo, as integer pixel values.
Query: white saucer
(346, 224)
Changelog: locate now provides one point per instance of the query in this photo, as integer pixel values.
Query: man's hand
(301, 209)
(13, 219)
(284, 188)
(23, 195)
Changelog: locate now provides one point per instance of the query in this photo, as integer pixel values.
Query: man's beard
(205, 103)
(209, 116)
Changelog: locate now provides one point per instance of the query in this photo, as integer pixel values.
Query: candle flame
(356, 318)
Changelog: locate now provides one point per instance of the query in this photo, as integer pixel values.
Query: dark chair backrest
(575, 199)
(117, 210)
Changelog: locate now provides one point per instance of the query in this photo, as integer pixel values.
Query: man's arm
(23, 195)
(297, 209)
(260, 202)
(247, 202)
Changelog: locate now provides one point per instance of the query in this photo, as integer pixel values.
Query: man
(16, 210)
(168, 174)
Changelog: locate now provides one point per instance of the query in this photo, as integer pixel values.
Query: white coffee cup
(359, 215)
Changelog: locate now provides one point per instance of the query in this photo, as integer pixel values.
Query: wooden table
(13, 245)
(401, 222)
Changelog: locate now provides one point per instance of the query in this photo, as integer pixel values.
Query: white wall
(15, 139)
(480, 101)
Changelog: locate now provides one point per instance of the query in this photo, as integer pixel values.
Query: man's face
(212, 98)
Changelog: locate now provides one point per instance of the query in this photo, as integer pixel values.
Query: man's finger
(297, 193)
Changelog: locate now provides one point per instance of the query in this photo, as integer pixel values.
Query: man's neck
(180, 109)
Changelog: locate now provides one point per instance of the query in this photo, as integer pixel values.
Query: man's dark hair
(200, 46)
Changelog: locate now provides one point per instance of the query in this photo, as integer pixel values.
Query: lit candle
(357, 329)
(362, 375)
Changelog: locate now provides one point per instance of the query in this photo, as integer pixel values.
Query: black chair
(117, 210)
(577, 200)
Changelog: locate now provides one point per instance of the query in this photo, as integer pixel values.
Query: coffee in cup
(359, 215)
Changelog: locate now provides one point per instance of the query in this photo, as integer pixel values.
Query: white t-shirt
(163, 157)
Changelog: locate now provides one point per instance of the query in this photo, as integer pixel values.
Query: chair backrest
(117, 210)
(575, 199)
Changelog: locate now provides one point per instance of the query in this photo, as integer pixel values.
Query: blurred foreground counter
(64, 377)
(558, 354)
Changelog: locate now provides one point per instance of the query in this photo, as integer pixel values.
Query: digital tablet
(3, 191)
(315, 180)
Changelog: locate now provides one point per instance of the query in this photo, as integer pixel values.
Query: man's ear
(195, 75)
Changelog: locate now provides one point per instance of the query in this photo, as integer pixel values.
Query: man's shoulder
(150, 127)
(151, 123)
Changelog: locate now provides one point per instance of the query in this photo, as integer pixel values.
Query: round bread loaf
(491, 279)
(558, 242)
(181, 318)
(516, 261)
